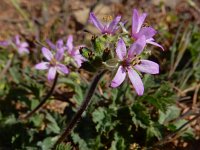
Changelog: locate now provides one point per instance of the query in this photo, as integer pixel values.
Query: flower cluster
(130, 62)
(21, 47)
(53, 64)
(126, 62)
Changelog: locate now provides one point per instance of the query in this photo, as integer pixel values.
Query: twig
(44, 99)
(8, 64)
(194, 100)
(190, 89)
(168, 137)
(82, 108)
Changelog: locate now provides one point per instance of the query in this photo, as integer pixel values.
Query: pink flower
(109, 28)
(138, 30)
(22, 47)
(53, 64)
(59, 45)
(131, 63)
(74, 51)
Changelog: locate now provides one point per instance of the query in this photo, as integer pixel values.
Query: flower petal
(113, 25)
(17, 40)
(79, 59)
(42, 66)
(148, 66)
(151, 41)
(4, 43)
(47, 53)
(136, 81)
(59, 44)
(22, 50)
(137, 47)
(70, 43)
(121, 49)
(119, 77)
(148, 32)
(59, 54)
(51, 45)
(51, 73)
(96, 22)
(24, 44)
(137, 21)
(62, 68)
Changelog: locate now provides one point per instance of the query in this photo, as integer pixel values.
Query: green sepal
(87, 53)
(98, 44)
(88, 66)
(106, 54)
(93, 65)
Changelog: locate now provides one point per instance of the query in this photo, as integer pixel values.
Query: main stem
(82, 108)
(44, 99)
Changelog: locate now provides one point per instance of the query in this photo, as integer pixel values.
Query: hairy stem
(44, 99)
(82, 108)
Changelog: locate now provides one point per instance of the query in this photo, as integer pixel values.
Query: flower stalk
(44, 99)
(82, 108)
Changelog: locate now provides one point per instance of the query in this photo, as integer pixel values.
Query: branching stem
(44, 99)
(82, 108)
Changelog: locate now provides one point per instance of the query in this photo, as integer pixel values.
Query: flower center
(125, 63)
(53, 62)
(135, 61)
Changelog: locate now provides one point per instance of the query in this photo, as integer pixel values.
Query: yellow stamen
(108, 18)
(53, 61)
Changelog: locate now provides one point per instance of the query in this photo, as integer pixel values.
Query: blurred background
(178, 26)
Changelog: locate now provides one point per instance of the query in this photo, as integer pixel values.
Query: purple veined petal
(141, 21)
(151, 41)
(121, 49)
(96, 22)
(137, 21)
(24, 44)
(51, 73)
(47, 53)
(70, 43)
(59, 44)
(113, 25)
(147, 66)
(51, 45)
(79, 59)
(23, 50)
(137, 47)
(42, 66)
(136, 81)
(59, 54)
(62, 68)
(4, 43)
(17, 40)
(148, 32)
(119, 77)
(115, 29)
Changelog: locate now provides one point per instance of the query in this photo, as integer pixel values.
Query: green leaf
(63, 146)
(15, 74)
(37, 120)
(153, 131)
(52, 125)
(81, 143)
(103, 118)
(140, 115)
(172, 113)
(47, 143)
(118, 143)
